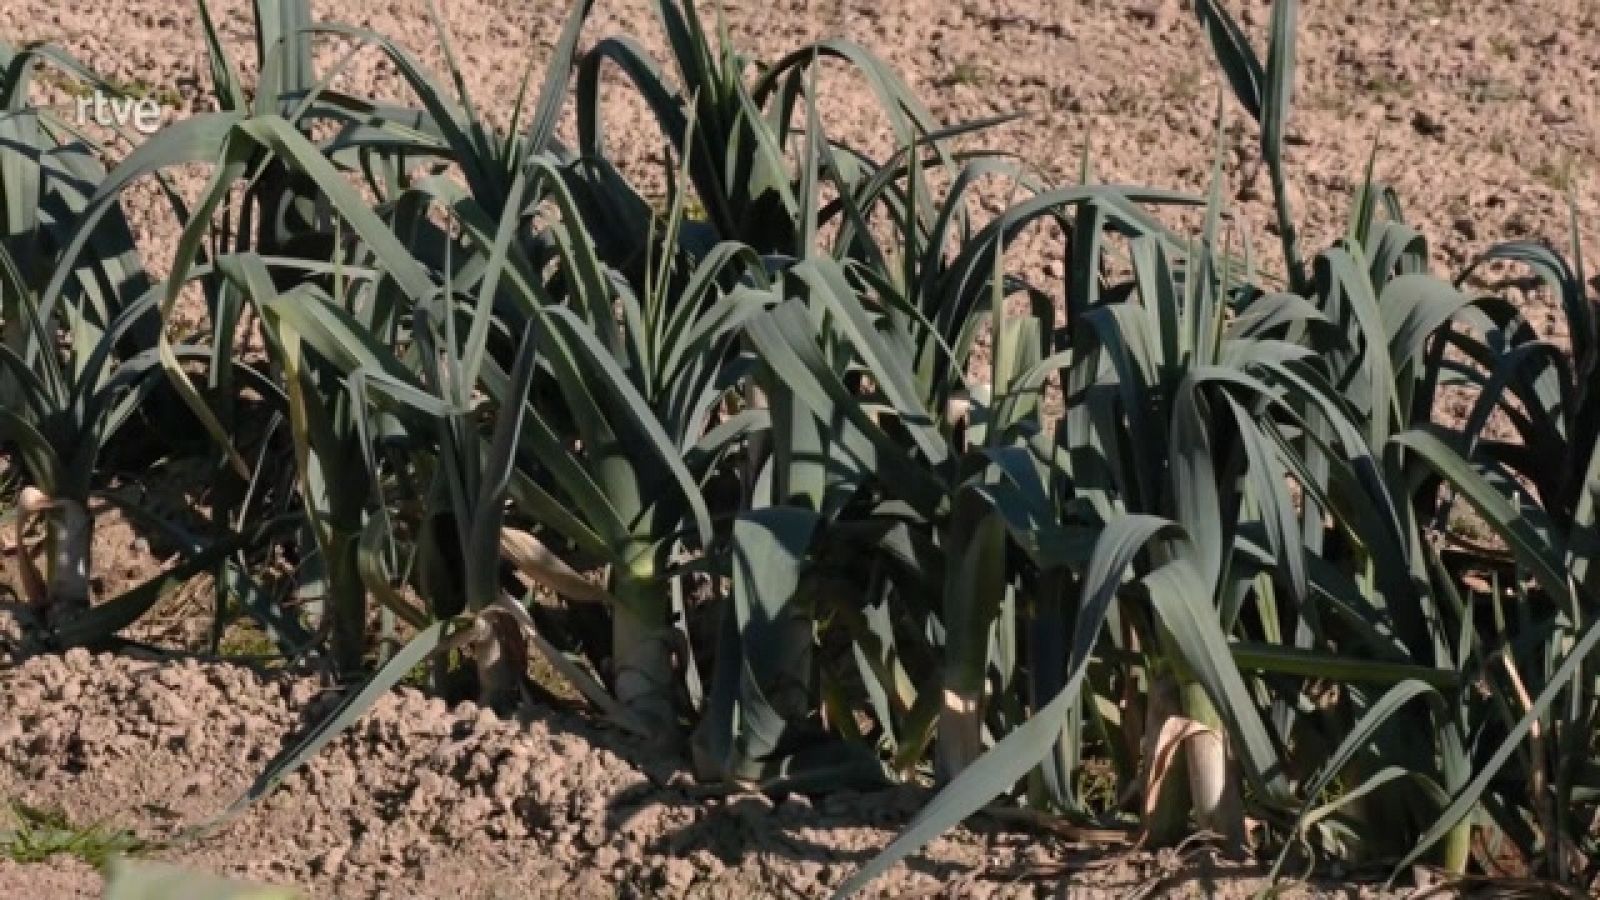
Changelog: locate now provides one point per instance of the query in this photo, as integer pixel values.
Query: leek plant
(74, 364)
(1211, 398)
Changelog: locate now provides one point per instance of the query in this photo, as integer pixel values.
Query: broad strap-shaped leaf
(1183, 602)
(754, 706)
(1234, 54)
(489, 507)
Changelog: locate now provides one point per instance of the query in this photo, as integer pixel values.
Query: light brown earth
(1484, 110)
(423, 801)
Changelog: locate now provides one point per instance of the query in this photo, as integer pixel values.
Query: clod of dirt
(1427, 124)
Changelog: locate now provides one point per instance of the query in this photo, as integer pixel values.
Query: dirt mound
(417, 798)
(420, 800)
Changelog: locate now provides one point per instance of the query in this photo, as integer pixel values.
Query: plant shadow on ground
(735, 825)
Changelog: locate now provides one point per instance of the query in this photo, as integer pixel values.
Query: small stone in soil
(1426, 124)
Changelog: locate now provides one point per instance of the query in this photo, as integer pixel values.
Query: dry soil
(419, 800)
